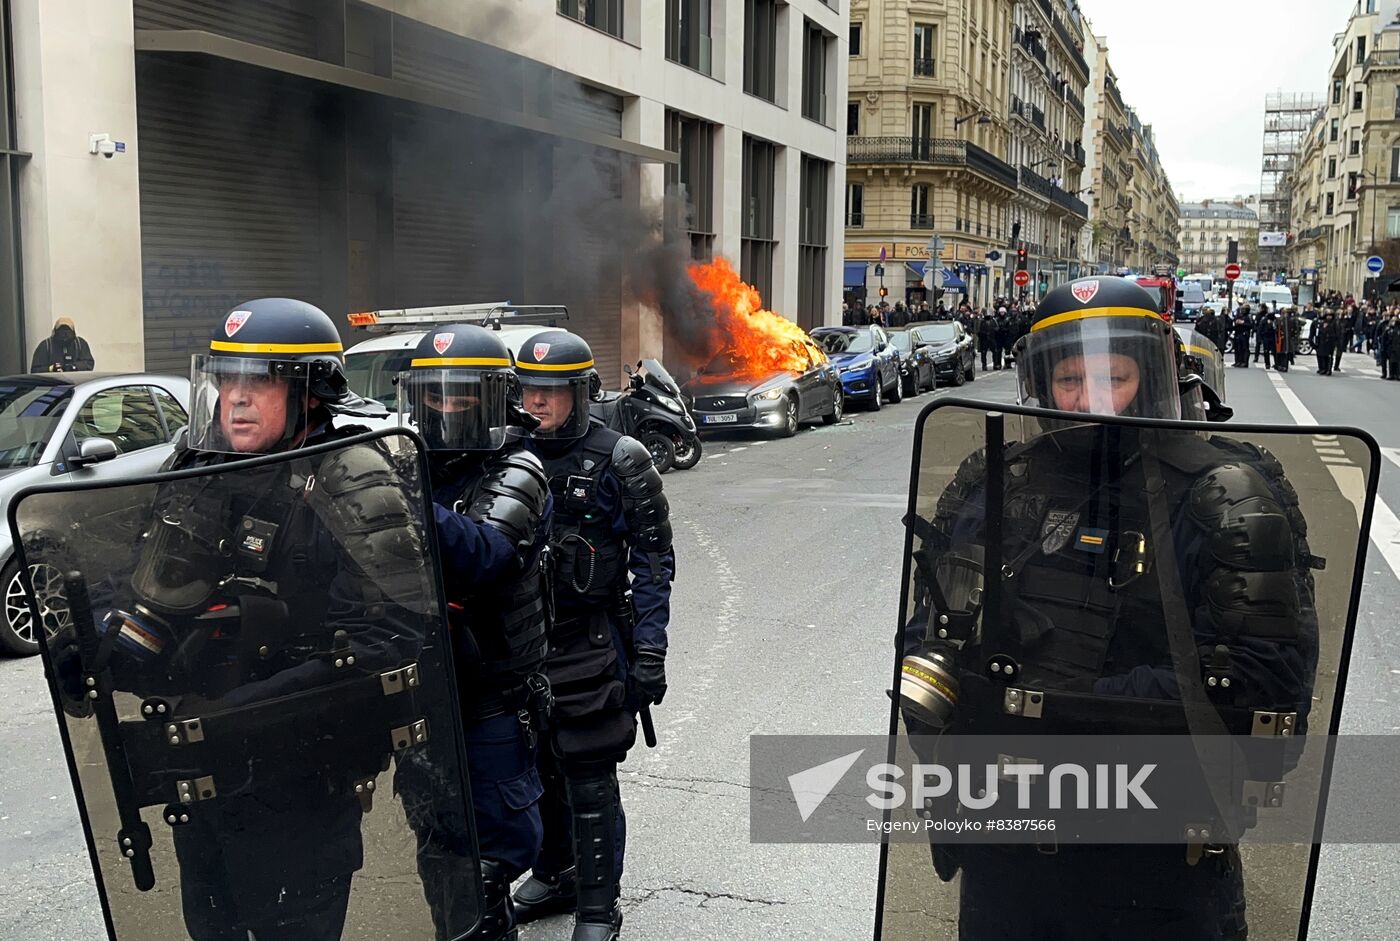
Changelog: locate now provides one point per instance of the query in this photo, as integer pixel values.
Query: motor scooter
(653, 411)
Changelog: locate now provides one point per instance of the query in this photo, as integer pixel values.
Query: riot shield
(1087, 600)
(1203, 355)
(257, 699)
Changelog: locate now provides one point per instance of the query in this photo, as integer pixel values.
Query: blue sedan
(866, 361)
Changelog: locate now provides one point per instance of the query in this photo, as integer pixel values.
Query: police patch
(541, 351)
(1057, 529)
(235, 321)
(442, 341)
(1085, 291)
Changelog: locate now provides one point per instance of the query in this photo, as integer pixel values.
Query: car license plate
(719, 419)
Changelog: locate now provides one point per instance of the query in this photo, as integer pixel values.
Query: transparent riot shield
(1204, 357)
(1140, 632)
(257, 699)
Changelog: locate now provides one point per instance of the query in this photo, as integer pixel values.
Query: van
(1192, 300)
(1277, 296)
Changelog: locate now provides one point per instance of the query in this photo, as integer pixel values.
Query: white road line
(1385, 525)
(738, 449)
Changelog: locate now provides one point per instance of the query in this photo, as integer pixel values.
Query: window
(1331, 168)
(1360, 49)
(922, 128)
(605, 15)
(694, 179)
(855, 205)
(175, 415)
(1351, 185)
(815, 186)
(852, 118)
(919, 215)
(1392, 222)
(855, 39)
(126, 416)
(925, 40)
(1336, 92)
(1331, 206)
(688, 33)
(1356, 100)
(815, 44)
(761, 48)
(1336, 130)
(1397, 101)
(1355, 148)
(1395, 164)
(757, 244)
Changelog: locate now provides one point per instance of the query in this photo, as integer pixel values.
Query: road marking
(1385, 525)
(738, 449)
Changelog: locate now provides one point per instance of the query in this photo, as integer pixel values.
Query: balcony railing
(1035, 182)
(1037, 117)
(1018, 107)
(1069, 201)
(1074, 102)
(934, 151)
(924, 68)
(1381, 58)
(918, 220)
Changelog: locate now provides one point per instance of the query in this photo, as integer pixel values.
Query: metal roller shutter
(272, 23)
(587, 273)
(229, 198)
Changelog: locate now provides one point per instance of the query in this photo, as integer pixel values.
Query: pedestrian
(987, 339)
(607, 647)
(1392, 352)
(1240, 339)
(1265, 336)
(491, 499)
(1325, 338)
(62, 351)
(245, 581)
(1005, 336)
(1062, 617)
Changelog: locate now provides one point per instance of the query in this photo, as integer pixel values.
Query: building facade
(1287, 120)
(377, 154)
(928, 126)
(1110, 169)
(1049, 82)
(1154, 215)
(1208, 227)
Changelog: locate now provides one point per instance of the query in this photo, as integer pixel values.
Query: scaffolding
(1287, 119)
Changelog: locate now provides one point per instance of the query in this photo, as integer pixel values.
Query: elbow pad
(511, 497)
(643, 504)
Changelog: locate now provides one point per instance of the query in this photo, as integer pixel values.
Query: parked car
(74, 427)
(916, 364)
(725, 394)
(866, 362)
(954, 351)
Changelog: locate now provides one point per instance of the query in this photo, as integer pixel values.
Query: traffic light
(884, 292)
(1020, 259)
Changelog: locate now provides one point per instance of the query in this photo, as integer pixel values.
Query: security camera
(104, 145)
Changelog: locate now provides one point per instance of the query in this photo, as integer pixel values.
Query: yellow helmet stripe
(1072, 315)
(460, 361)
(554, 367)
(223, 346)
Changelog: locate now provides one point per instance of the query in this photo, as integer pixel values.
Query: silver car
(74, 428)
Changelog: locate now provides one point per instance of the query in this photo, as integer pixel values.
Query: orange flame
(758, 340)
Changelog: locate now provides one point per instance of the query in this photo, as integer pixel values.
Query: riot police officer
(248, 589)
(1080, 500)
(612, 589)
(491, 500)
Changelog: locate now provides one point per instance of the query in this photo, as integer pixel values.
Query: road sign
(882, 253)
(994, 256)
(1022, 278)
(1375, 264)
(1232, 272)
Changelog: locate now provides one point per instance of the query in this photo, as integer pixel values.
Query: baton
(648, 728)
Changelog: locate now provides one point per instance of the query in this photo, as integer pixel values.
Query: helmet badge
(442, 341)
(235, 321)
(1085, 292)
(541, 351)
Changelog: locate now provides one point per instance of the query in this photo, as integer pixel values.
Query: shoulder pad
(630, 457)
(512, 496)
(355, 468)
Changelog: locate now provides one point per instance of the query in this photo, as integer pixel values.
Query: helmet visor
(560, 404)
(1101, 365)
(456, 409)
(247, 406)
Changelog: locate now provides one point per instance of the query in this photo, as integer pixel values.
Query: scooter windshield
(657, 374)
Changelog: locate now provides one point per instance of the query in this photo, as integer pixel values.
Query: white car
(75, 427)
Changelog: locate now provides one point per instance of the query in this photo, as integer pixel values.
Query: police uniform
(243, 586)
(1082, 619)
(492, 507)
(613, 566)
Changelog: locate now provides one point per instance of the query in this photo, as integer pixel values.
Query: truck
(1162, 286)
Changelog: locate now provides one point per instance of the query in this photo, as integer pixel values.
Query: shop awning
(201, 42)
(917, 268)
(855, 274)
(951, 281)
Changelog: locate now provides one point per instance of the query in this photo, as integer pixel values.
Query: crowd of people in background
(995, 328)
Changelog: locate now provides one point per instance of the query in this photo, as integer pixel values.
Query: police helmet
(458, 389)
(273, 342)
(559, 378)
(1099, 346)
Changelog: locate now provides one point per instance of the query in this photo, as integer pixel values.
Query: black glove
(67, 661)
(649, 674)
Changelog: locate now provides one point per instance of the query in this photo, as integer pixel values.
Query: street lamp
(981, 116)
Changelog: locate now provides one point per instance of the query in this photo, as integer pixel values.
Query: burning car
(728, 393)
(761, 370)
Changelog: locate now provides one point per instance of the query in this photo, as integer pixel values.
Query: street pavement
(785, 603)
